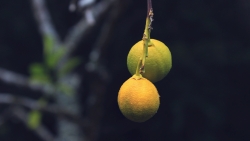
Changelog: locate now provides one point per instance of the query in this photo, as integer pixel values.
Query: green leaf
(53, 59)
(48, 45)
(36, 68)
(48, 50)
(42, 101)
(69, 66)
(66, 89)
(34, 119)
(39, 73)
(51, 56)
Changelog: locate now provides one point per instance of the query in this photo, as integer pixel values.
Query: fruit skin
(157, 64)
(138, 99)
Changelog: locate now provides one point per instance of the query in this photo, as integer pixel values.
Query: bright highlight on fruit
(138, 99)
(157, 64)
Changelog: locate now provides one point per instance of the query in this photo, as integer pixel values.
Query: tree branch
(44, 20)
(69, 130)
(94, 64)
(10, 99)
(23, 81)
(81, 29)
(41, 130)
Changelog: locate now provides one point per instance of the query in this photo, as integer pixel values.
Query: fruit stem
(146, 39)
(137, 73)
(149, 19)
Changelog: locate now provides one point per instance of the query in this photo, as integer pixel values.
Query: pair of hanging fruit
(149, 61)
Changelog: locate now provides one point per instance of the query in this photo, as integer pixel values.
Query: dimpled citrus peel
(138, 99)
(157, 64)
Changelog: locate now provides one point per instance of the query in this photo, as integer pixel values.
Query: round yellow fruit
(138, 99)
(157, 64)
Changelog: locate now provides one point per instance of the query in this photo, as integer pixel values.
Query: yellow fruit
(157, 64)
(138, 99)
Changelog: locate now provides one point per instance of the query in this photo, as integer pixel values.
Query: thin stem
(146, 40)
(149, 6)
(137, 73)
(150, 18)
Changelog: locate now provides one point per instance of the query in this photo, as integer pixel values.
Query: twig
(94, 58)
(23, 81)
(81, 29)
(43, 20)
(80, 5)
(41, 130)
(94, 64)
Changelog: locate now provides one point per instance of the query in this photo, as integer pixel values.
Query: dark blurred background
(206, 95)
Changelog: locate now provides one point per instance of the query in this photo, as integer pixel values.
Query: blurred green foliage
(34, 119)
(43, 72)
